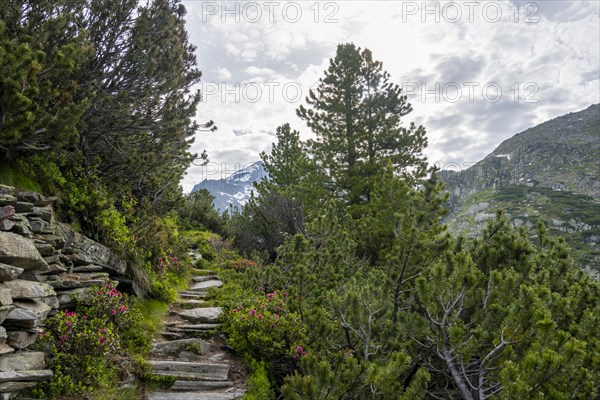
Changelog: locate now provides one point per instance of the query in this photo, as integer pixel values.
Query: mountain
(549, 172)
(234, 190)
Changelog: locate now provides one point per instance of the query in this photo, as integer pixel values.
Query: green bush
(264, 329)
(84, 345)
(259, 387)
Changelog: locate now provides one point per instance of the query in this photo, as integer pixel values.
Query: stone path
(190, 352)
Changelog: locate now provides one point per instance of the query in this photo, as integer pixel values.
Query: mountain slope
(549, 172)
(234, 191)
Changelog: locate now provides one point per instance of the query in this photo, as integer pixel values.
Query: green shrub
(83, 345)
(264, 329)
(259, 387)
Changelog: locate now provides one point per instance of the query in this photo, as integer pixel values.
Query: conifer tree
(356, 113)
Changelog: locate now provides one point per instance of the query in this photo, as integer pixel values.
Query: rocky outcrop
(44, 264)
(549, 172)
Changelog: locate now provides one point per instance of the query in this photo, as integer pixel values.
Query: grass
(12, 176)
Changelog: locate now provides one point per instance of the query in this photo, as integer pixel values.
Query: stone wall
(43, 264)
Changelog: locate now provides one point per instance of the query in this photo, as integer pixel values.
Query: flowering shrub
(168, 264)
(83, 344)
(266, 330)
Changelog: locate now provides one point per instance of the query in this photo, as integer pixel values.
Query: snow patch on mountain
(235, 190)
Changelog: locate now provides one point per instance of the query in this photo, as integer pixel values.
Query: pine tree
(502, 317)
(356, 114)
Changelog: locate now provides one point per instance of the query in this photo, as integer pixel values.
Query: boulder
(5, 349)
(21, 225)
(38, 225)
(201, 315)
(23, 207)
(5, 297)
(8, 272)
(45, 213)
(5, 189)
(36, 198)
(6, 225)
(25, 375)
(3, 335)
(23, 361)
(20, 289)
(7, 200)
(45, 249)
(85, 251)
(20, 252)
(27, 314)
(21, 339)
(5, 312)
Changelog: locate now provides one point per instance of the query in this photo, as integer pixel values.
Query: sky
(475, 72)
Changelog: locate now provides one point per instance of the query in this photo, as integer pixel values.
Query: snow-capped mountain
(234, 191)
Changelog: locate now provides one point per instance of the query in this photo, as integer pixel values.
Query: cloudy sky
(476, 72)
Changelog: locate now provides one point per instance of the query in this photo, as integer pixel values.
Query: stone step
(228, 395)
(192, 303)
(213, 283)
(203, 278)
(200, 385)
(190, 370)
(189, 294)
(171, 335)
(173, 347)
(195, 328)
(201, 315)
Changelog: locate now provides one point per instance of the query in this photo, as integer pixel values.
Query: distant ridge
(234, 191)
(549, 172)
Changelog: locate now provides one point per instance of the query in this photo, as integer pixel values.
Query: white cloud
(557, 57)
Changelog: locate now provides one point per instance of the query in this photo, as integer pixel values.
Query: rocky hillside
(43, 265)
(549, 172)
(234, 191)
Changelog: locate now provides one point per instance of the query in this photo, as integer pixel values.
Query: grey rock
(213, 283)
(195, 345)
(190, 370)
(45, 213)
(21, 289)
(27, 314)
(7, 200)
(5, 349)
(86, 251)
(35, 198)
(201, 315)
(38, 225)
(45, 249)
(203, 278)
(25, 375)
(88, 268)
(5, 297)
(231, 395)
(11, 387)
(9, 272)
(66, 299)
(6, 225)
(5, 312)
(6, 189)
(22, 361)
(21, 339)
(3, 335)
(23, 207)
(200, 386)
(20, 252)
